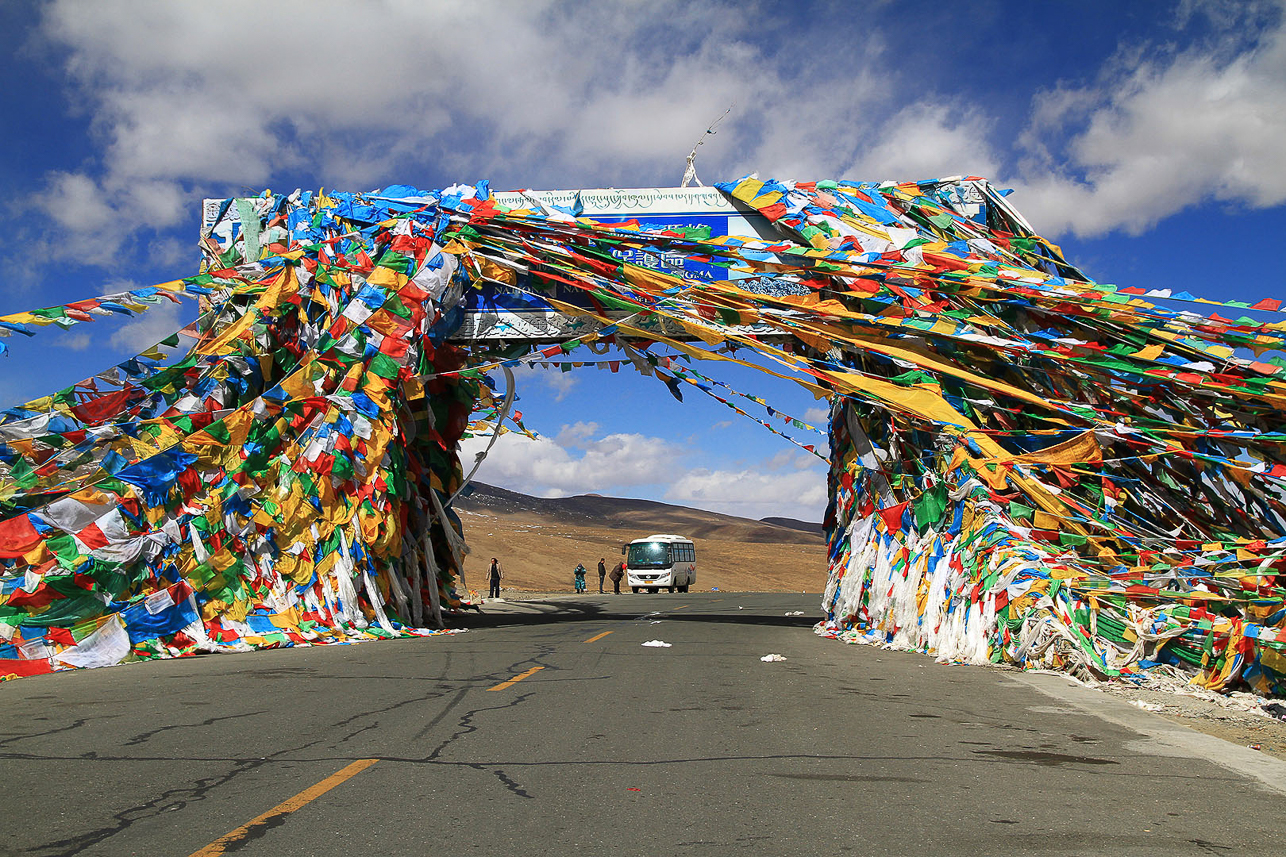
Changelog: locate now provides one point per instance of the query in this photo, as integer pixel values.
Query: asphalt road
(610, 747)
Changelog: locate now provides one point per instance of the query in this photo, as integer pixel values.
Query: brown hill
(793, 524)
(540, 540)
(618, 512)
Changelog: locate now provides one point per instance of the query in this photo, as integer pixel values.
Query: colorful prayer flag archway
(1026, 466)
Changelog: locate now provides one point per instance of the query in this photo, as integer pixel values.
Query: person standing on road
(602, 573)
(496, 574)
(580, 577)
(617, 573)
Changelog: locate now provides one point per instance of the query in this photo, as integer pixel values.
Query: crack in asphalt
(441, 715)
(508, 782)
(145, 736)
(178, 798)
(197, 791)
(75, 724)
(164, 802)
(511, 763)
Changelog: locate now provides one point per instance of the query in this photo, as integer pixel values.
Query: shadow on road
(527, 613)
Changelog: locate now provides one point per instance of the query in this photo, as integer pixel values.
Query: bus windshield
(649, 555)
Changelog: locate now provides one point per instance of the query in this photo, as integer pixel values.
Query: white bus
(661, 560)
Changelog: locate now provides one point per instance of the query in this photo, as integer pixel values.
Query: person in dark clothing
(602, 573)
(617, 574)
(496, 574)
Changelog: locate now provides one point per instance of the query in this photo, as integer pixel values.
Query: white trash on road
(772, 659)
(657, 644)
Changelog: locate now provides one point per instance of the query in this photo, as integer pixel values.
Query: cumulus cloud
(817, 416)
(1160, 131)
(559, 383)
(187, 98)
(84, 224)
(576, 461)
(929, 140)
(74, 341)
(545, 467)
(149, 328)
(578, 434)
(754, 492)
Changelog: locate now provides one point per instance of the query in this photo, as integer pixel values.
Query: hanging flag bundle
(282, 484)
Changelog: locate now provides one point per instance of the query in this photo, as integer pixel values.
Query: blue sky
(1146, 137)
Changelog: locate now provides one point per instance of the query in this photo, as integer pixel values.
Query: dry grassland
(539, 552)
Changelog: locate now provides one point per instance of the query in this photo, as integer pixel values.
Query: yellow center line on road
(235, 837)
(516, 679)
(682, 606)
(598, 636)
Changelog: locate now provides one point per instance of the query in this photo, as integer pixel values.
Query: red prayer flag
(17, 537)
(92, 537)
(19, 669)
(893, 516)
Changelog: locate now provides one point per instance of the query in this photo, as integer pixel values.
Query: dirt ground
(1232, 718)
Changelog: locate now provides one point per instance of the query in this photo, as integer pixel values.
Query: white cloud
(1159, 132)
(577, 434)
(558, 382)
(150, 327)
(929, 140)
(74, 342)
(754, 493)
(86, 224)
(789, 483)
(546, 468)
(789, 458)
(187, 97)
(819, 417)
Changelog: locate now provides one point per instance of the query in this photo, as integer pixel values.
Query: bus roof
(662, 537)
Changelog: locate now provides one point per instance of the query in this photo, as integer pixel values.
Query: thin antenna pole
(690, 172)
